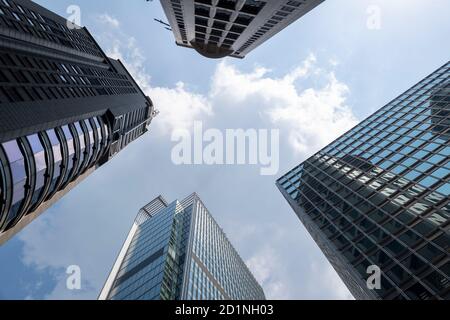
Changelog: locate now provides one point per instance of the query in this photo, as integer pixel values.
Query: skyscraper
(65, 110)
(220, 28)
(178, 251)
(379, 196)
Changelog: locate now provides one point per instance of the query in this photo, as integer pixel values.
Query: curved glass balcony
(17, 167)
(56, 151)
(35, 167)
(71, 155)
(41, 160)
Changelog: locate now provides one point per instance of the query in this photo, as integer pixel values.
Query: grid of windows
(380, 194)
(218, 271)
(179, 252)
(178, 13)
(218, 26)
(200, 285)
(25, 77)
(284, 12)
(152, 237)
(222, 24)
(18, 16)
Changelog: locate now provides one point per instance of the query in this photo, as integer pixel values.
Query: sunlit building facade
(178, 251)
(220, 28)
(379, 196)
(65, 110)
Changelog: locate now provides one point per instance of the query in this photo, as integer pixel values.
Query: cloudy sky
(313, 81)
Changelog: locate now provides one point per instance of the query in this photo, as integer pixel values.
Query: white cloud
(179, 107)
(328, 282)
(313, 116)
(265, 266)
(287, 268)
(108, 20)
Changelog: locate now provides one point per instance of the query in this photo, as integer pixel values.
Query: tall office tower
(178, 251)
(220, 28)
(379, 196)
(65, 110)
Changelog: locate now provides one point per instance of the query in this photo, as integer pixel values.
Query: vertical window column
(56, 152)
(92, 144)
(79, 137)
(106, 134)
(3, 183)
(97, 136)
(69, 144)
(41, 161)
(18, 170)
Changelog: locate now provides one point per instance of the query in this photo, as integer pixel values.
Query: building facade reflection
(379, 195)
(177, 251)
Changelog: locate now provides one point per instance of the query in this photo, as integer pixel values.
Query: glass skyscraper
(177, 251)
(65, 110)
(379, 196)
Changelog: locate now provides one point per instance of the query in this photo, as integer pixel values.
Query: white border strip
(115, 270)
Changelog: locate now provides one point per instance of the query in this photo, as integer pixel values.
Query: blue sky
(312, 81)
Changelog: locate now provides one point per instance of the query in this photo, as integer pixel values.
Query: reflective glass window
(41, 165)
(91, 139)
(57, 158)
(97, 137)
(108, 133)
(19, 175)
(2, 195)
(430, 252)
(105, 136)
(82, 142)
(98, 128)
(71, 151)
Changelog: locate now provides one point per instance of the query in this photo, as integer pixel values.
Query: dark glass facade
(379, 195)
(217, 29)
(65, 110)
(178, 252)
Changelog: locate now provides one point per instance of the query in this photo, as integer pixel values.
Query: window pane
(19, 176)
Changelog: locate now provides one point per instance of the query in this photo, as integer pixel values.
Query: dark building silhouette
(379, 196)
(220, 28)
(65, 110)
